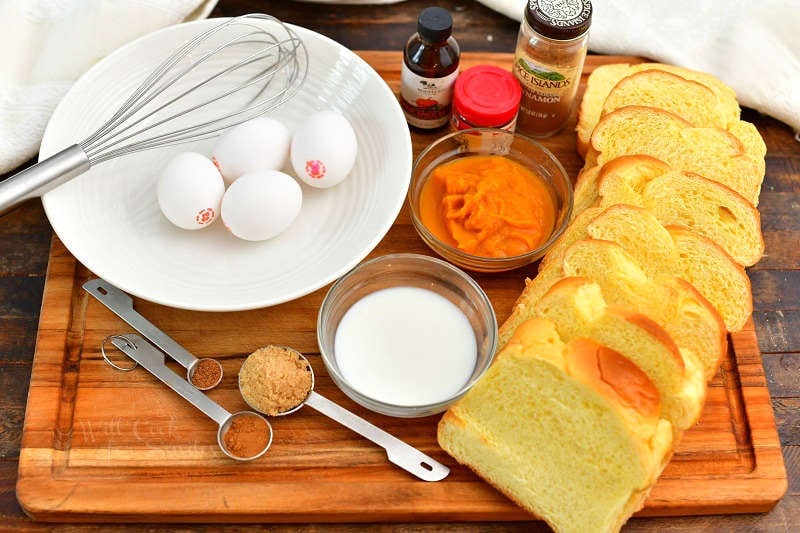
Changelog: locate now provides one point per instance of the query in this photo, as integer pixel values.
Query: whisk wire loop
(110, 141)
(139, 123)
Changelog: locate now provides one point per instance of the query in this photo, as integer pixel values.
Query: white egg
(190, 190)
(258, 144)
(261, 205)
(324, 149)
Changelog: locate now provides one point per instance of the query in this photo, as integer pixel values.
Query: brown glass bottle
(430, 67)
(548, 61)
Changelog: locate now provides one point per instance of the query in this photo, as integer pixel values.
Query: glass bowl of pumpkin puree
(489, 200)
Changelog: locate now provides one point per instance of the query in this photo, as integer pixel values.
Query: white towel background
(48, 44)
(752, 45)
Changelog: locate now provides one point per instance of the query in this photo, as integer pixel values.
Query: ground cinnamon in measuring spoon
(247, 436)
(206, 374)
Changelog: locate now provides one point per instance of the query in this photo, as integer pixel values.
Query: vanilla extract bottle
(430, 67)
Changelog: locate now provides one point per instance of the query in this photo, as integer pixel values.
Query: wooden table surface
(25, 239)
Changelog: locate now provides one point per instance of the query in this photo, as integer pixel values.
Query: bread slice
(675, 305)
(711, 152)
(691, 100)
(706, 266)
(666, 251)
(569, 431)
(679, 198)
(577, 308)
(688, 317)
(649, 89)
(694, 258)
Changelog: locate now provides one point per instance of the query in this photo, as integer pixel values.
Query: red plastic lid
(486, 95)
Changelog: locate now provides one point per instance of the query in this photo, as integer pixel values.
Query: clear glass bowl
(407, 270)
(491, 141)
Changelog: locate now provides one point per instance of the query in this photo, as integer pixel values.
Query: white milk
(405, 346)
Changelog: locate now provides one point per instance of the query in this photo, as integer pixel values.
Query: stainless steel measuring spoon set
(151, 358)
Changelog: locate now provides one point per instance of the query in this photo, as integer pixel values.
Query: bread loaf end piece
(569, 431)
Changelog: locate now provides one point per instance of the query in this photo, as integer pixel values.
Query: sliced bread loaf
(666, 251)
(691, 100)
(569, 431)
(689, 318)
(691, 94)
(673, 304)
(680, 198)
(692, 257)
(711, 152)
(577, 308)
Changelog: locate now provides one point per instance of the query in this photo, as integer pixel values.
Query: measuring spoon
(152, 360)
(122, 305)
(400, 453)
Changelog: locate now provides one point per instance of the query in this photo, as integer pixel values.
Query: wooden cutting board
(103, 445)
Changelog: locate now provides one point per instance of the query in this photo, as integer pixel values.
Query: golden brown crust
(594, 141)
(535, 329)
(711, 311)
(651, 327)
(632, 163)
(614, 376)
(665, 76)
(569, 283)
(736, 146)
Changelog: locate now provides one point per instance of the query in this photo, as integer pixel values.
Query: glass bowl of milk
(406, 335)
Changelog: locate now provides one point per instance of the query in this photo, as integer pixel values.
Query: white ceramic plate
(109, 218)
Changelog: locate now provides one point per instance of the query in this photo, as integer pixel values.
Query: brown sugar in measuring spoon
(277, 381)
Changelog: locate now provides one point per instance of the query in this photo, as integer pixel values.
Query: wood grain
(89, 428)
(778, 330)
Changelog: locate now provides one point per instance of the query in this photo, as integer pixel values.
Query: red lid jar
(486, 96)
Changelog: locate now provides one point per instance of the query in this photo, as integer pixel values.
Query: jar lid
(435, 23)
(559, 19)
(486, 95)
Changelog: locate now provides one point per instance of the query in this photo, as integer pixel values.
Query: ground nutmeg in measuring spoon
(206, 374)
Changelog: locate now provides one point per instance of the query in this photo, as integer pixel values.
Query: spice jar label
(426, 101)
(546, 92)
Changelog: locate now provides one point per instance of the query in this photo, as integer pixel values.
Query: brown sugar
(275, 379)
(206, 374)
(247, 436)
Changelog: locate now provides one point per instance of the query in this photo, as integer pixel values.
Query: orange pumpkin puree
(487, 205)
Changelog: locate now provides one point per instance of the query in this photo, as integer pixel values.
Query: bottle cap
(486, 95)
(559, 19)
(435, 24)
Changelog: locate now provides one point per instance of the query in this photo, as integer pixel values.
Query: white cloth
(753, 46)
(48, 44)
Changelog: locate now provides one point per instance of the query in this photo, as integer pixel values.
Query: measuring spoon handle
(403, 455)
(150, 358)
(122, 305)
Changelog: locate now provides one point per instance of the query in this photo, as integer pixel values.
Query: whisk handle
(42, 177)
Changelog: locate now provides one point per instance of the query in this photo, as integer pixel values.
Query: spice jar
(486, 96)
(548, 61)
(430, 66)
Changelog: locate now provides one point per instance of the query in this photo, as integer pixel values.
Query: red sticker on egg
(315, 169)
(204, 216)
(216, 164)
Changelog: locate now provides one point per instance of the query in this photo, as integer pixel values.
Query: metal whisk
(231, 73)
